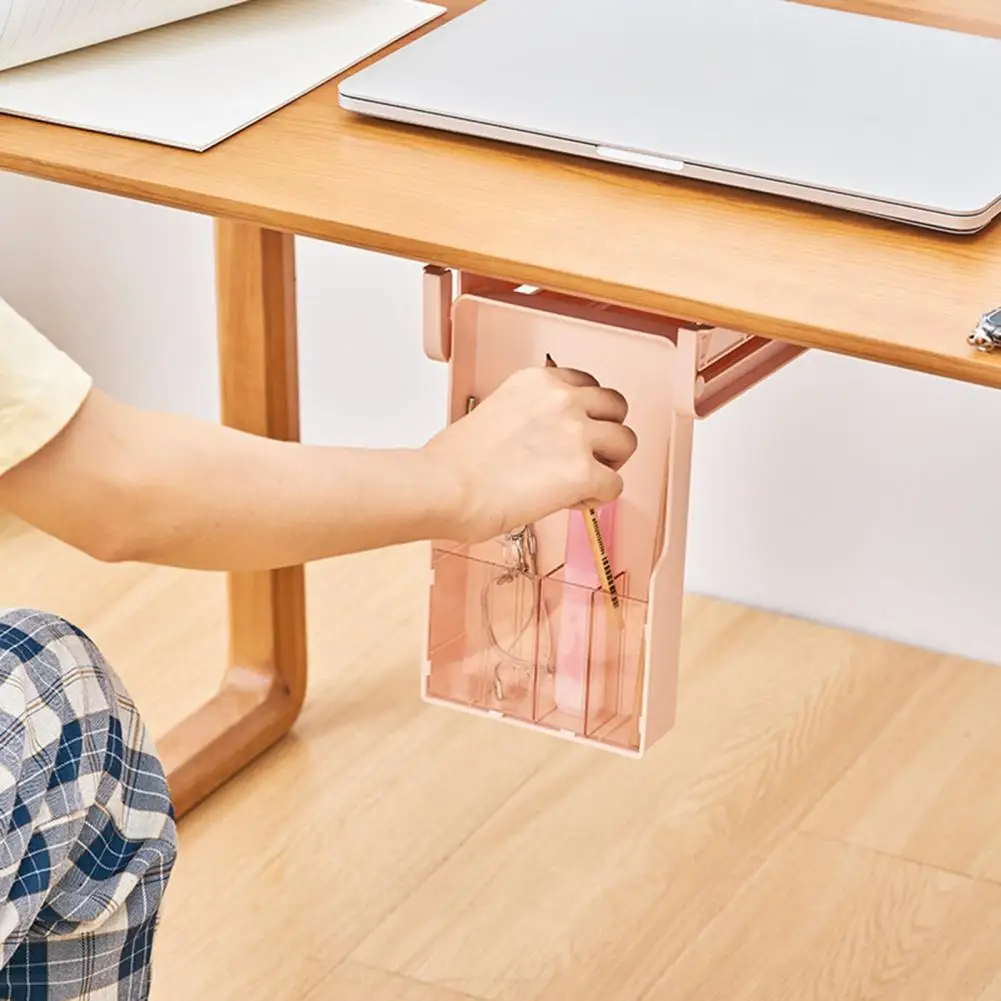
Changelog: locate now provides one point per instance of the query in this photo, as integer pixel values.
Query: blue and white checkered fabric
(87, 838)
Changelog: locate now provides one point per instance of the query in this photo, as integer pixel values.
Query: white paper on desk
(37, 29)
(194, 83)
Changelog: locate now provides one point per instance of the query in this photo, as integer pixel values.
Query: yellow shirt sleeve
(41, 389)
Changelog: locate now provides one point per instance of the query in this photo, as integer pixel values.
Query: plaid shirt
(87, 838)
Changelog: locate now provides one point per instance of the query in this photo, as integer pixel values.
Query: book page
(194, 83)
(37, 29)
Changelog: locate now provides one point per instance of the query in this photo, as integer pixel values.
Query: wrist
(446, 496)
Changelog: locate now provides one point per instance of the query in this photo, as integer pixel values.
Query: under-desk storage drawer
(529, 628)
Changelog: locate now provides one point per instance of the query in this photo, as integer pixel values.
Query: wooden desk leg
(265, 682)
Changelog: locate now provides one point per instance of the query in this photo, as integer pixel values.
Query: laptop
(879, 117)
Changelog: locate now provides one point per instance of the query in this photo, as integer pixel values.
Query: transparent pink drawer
(536, 649)
(517, 629)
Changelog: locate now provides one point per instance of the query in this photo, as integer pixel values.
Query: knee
(59, 695)
(52, 679)
(47, 652)
(55, 683)
(25, 632)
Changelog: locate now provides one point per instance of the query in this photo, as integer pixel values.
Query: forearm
(124, 484)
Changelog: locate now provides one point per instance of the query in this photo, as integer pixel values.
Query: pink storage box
(528, 636)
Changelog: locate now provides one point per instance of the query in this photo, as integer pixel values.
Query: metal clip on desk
(539, 648)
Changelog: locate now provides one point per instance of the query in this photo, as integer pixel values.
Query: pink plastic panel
(536, 648)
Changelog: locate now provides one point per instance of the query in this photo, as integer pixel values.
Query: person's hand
(548, 439)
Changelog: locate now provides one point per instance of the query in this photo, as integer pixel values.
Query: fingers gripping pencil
(601, 562)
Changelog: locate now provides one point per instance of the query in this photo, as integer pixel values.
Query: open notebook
(185, 73)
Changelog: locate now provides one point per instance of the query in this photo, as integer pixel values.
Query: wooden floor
(823, 825)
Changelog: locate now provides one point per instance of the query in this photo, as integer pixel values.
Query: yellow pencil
(601, 562)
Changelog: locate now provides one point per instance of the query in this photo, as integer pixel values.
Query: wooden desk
(758, 264)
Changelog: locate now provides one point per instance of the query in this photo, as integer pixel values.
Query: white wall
(841, 491)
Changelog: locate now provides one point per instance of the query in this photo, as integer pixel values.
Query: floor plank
(353, 982)
(824, 921)
(927, 789)
(599, 873)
